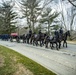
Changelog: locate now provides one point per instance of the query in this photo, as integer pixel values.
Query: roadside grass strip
(72, 42)
(13, 63)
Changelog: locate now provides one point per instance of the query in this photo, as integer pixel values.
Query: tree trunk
(48, 28)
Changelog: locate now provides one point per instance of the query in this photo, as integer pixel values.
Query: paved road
(62, 62)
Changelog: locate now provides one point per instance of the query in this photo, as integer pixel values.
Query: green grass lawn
(13, 63)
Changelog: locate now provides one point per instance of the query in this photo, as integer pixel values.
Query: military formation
(40, 39)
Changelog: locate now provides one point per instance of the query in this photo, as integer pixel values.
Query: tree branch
(72, 3)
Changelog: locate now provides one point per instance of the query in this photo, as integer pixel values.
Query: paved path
(62, 62)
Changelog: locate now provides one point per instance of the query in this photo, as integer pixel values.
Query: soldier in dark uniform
(30, 31)
(61, 32)
(56, 33)
(39, 32)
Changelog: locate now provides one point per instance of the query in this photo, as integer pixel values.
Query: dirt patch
(1, 61)
(72, 42)
(14, 58)
(21, 70)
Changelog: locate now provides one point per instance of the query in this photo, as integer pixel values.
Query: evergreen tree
(32, 10)
(7, 18)
(48, 17)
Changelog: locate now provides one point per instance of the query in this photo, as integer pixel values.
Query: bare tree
(72, 21)
(72, 2)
